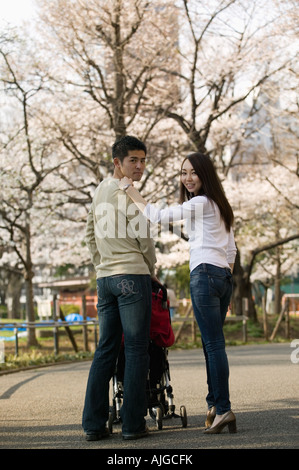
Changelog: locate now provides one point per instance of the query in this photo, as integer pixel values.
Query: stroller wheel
(183, 414)
(153, 410)
(159, 418)
(156, 413)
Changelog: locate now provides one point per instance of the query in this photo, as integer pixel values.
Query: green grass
(37, 358)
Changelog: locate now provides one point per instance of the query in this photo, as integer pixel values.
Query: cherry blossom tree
(265, 221)
(228, 50)
(111, 53)
(27, 159)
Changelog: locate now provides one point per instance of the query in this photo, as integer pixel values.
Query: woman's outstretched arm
(127, 185)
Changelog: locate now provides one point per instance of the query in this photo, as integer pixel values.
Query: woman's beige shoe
(228, 419)
(211, 413)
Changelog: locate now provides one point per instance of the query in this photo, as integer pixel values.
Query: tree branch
(267, 247)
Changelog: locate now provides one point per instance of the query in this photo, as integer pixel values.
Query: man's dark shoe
(136, 435)
(97, 436)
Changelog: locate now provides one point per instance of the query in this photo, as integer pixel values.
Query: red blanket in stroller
(161, 331)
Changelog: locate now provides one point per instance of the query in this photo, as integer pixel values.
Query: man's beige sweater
(117, 234)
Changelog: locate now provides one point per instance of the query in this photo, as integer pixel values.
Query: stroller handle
(156, 286)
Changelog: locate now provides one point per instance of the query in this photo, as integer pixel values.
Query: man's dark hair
(122, 146)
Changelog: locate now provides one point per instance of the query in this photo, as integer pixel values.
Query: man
(123, 255)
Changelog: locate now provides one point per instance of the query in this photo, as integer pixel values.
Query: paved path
(41, 408)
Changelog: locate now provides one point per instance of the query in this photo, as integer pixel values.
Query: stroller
(159, 391)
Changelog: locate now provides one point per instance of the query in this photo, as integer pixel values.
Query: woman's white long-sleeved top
(208, 238)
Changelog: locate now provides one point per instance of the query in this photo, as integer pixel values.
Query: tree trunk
(242, 289)
(119, 83)
(30, 314)
(277, 295)
(13, 294)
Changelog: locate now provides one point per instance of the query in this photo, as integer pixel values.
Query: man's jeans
(211, 290)
(124, 306)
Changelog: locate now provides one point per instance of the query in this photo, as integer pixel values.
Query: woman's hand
(124, 182)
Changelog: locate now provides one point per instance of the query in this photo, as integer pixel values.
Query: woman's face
(190, 179)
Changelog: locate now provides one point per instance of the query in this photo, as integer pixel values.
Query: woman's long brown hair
(211, 186)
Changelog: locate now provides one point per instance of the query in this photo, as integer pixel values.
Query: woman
(212, 256)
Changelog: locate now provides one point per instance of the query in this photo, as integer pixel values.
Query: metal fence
(190, 318)
(55, 325)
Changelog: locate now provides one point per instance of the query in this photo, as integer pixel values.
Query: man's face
(133, 165)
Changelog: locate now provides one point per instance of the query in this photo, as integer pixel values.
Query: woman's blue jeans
(211, 290)
(124, 306)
